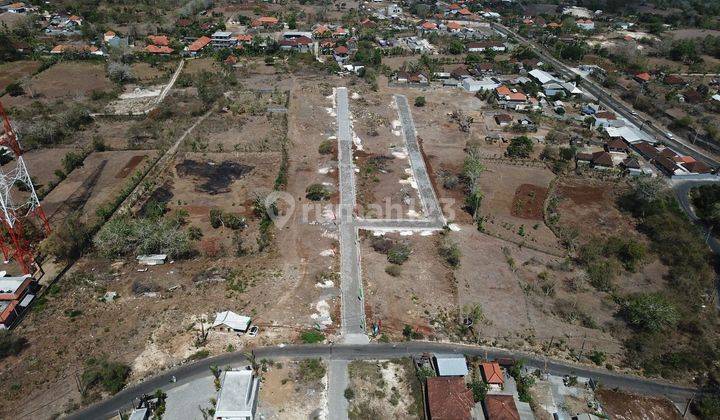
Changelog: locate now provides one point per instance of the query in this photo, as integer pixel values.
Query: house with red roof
(159, 40)
(158, 50)
(265, 22)
(500, 407)
(449, 399)
(427, 26)
(643, 77)
(341, 54)
(453, 26)
(198, 45)
(491, 372)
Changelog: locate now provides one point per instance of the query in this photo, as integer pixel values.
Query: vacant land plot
(16, 71)
(514, 202)
(590, 209)
(384, 389)
(145, 73)
(292, 390)
(419, 293)
(520, 297)
(385, 184)
(93, 184)
(619, 405)
(67, 79)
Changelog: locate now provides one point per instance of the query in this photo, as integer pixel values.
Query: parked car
(253, 331)
(669, 135)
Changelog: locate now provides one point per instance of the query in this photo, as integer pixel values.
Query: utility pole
(582, 348)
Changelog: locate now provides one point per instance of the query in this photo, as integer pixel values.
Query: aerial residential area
(360, 210)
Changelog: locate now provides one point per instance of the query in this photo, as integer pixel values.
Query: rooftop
(238, 395)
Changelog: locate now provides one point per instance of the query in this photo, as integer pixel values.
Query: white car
(253, 331)
(669, 135)
(634, 113)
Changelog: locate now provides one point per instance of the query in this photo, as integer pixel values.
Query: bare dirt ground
(65, 80)
(16, 71)
(422, 294)
(384, 389)
(622, 406)
(42, 163)
(146, 74)
(284, 394)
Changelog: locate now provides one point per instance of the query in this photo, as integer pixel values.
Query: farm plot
(406, 283)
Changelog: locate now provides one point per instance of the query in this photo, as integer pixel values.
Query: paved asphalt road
(373, 351)
(614, 104)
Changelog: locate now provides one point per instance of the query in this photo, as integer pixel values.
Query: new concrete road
(417, 163)
(653, 128)
(194, 371)
(353, 310)
(338, 380)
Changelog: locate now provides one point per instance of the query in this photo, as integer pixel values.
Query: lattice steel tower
(18, 201)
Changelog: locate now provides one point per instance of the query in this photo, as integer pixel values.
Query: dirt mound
(216, 177)
(529, 201)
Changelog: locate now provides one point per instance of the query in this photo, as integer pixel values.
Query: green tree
(420, 101)
(520, 147)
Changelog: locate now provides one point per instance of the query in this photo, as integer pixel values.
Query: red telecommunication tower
(17, 206)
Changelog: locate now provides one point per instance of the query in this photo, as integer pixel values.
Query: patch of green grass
(312, 337)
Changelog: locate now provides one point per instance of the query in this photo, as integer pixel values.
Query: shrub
(110, 375)
(11, 345)
(215, 218)
(233, 221)
(14, 89)
(311, 370)
(68, 241)
(326, 147)
(597, 357)
(381, 244)
(393, 270)
(450, 252)
(123, 236)
(349, 394)
(398, 253)
(199, 355)
(71, 161)
(420, 101)
(479, 390)
(317, 192)
(651, 312)
(312, 337)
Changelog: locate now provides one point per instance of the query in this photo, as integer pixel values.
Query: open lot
(292, 390)
(64, 80)
(16, 71)
(384, 389)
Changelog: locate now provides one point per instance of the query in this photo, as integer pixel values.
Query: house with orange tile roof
(265, 21)
(465, 12)
(158, 49)
(107, 36)
(643, 77)
(244, 38)
(453, 26)
(198, 45)
(427, 26)
(321, 31)
(492, 374)
(159, 40)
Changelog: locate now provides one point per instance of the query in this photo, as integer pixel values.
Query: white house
(486, 83)
(223, 39)
(585, 24)
(542, 76)
(238, 395)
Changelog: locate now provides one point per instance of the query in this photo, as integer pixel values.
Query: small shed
(152, 259)
(232, 322)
